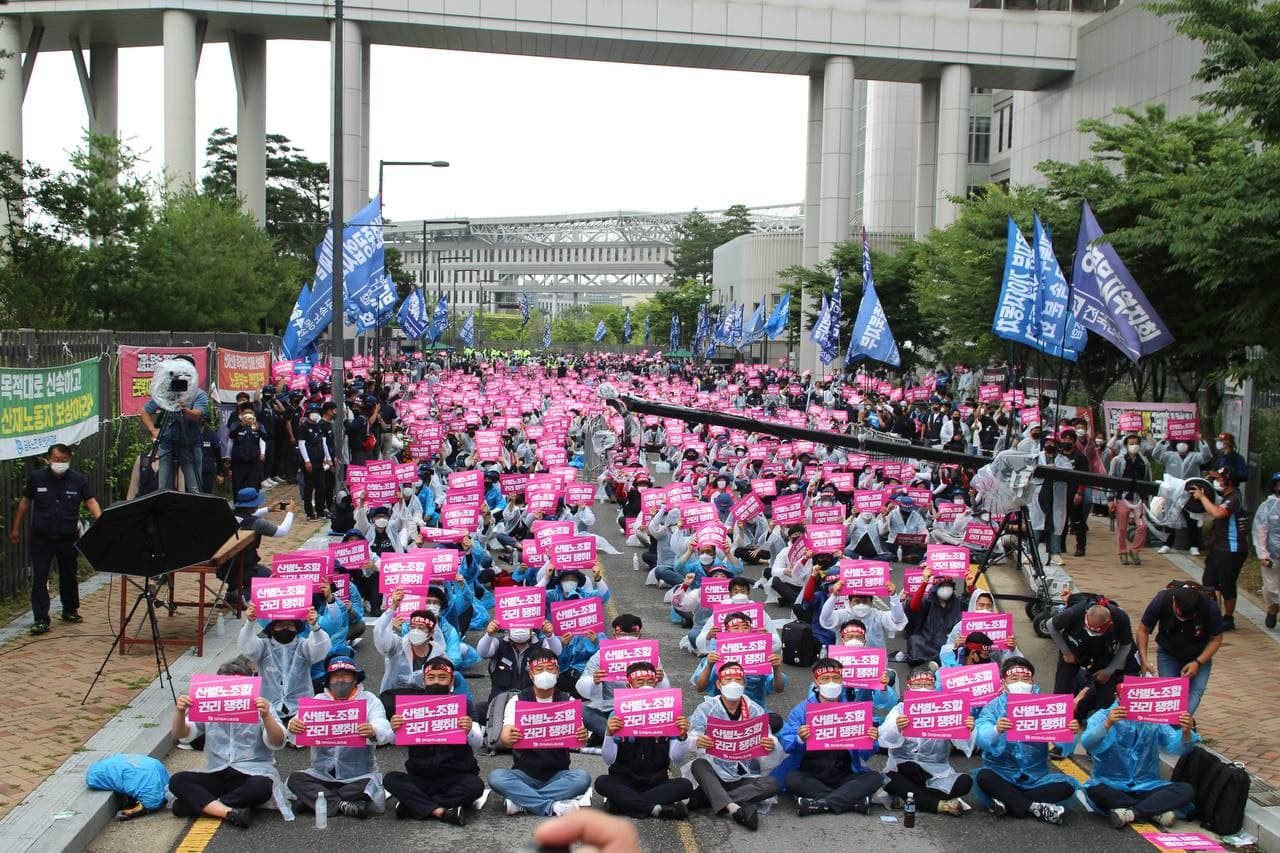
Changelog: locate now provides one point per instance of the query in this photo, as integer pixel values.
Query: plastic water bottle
(908, 812)
(220, 627)
(322, 811)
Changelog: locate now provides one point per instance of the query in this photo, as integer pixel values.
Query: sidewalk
(42, 722)
(1234, 715)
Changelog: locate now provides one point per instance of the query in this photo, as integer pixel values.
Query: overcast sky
(525, 136)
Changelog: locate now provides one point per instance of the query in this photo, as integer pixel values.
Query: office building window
(1004, 128)
(979, 139)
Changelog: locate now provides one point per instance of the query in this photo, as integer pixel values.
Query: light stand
(146, 593)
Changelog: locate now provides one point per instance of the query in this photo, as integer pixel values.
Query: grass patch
(1251, 580)
(13, 607)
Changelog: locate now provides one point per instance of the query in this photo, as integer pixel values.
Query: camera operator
(178, 437)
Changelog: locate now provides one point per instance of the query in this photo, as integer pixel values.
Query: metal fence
(103, 455)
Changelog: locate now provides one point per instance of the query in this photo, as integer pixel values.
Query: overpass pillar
(927, 159)
(365, 64)
(10, 96)
(812, 204)
(104, 82)
(953, 141)
(352, 105)
(249, 54)
(180, 61)
(838, 108)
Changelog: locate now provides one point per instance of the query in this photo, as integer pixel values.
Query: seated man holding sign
(241, 767)
(920, 747)
(540, 781)
(827, 740)
(441, 776)
(732, 733)
(347, 774)
(594, 685)
(1014, 731)
(285, 656)
(647, 733)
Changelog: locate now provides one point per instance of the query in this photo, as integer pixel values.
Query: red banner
(241, 371)
(138, 365)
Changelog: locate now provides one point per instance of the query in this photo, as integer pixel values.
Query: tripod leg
(162, 657)
(115, 642)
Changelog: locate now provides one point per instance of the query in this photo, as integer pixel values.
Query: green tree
(697, 239)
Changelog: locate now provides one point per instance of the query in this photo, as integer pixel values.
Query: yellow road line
(1069, 767)
(199, 836)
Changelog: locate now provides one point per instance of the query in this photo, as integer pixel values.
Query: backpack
(799, 648)
(1222, 789)
(493, 722)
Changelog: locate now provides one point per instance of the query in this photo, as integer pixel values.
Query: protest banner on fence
(241, 371)
(40, 407)
(137, 366)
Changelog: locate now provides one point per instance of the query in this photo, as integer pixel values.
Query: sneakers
(1124, 558)
(806, 806)
(746, 816)
(513, 809)
(478, 805)
(1120, 818)
(403, 813)
(900, 656)
(1056, 560)
(560, 808)
(72, 617)
(240, 817)
(1047, 812)
(998, 808)
(863, 806)
(675, 811)
(1137, 560)
(454, 816)
(1228, 623)
(1270, 621)
(357, 810)
(952, 807)
(1164, 549)
(1195, 552)
(39, 628)
(1165, 819)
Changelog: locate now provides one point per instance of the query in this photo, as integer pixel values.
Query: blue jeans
(1169, 667)
(595, 721)
(538, 797)
(190, 469)
(669, 575)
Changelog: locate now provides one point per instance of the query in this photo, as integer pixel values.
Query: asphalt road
(492, 831)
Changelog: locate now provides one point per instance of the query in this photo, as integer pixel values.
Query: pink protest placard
(341, 586)
(751, 649)
(548, 725)
(678, 493)
(488, 445)
(694, 514)
(617, 655)
(749, 507)
(1154, 700)
(738, 740)
(431, 720)
(520, 606)
(541, 501)
(839, 725)
(988, 393)
(947, 511)
(406, 472)
(545, 530)
(979, 681)
(936, 715)
(224, 699)
(868, 500)
(350, 555)
(1130, 422)
(329, 723)
(577, 616)
(753, 609)
(833, 514)
(825, 538)
(1181, 429)
(281, 598)
(414, 598)
(1029, 416)
(380, 491)
(1040, 718)
(712, 533)
(463, 497)
(863, 577)
(403, 571)
(997, 626)
(442, 563)
(947, 561)
(648, 713)
(314, 566)
(460, 517)
(512, 484)
(860, 667)
(1181, 841)
(844, 481)
(765, 487)
(979, 535)
(713, 591)
(381, 468)
(467, 480)
(568, 553)
(580, 493)
(788, 509)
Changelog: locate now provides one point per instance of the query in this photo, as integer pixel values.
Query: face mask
(945, 592)
(568, 587)
(381, 523)
(342, 689)
(830, 690)
(407, 491)
(1182, 447)
(866, 516)
(706, 559)
(1099, 444)
(1218, 444)
(436, 689)
(418, 637)
(520, 635)
(284, 637)
(314, 417)
(732, 691)
(861, 611)
(544, 680)
(1092, 633)
(59, 467)
(740, 598)
(856, 642)
(1217, 487)
(1131, 449)
(1019, 687)
(433, 609)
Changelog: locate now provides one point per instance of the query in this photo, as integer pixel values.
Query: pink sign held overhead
(577, 616)
(825, 538)
(868, 500)
(863, 577)
(754, 611)
(545, 530)
(839, 725)
(380, 491)
(1040, 718)
(694, 514)
(981, 682)
(617, 655)
(520, 606)
(460, 517)
(936, 715)
(833, 514)
(860, 667)
(315, 566)
(431, 720)
(1130, 422)
(281, 598)
(997, 626)
(751, 649)
(713, 591)
(947, 561)
(765, 487)
(224, 699)
(580, 493)
(327, 723)
(1181, 430)
(748, 508)
(1154, 700)
(979, 535)
(648, 713)
(738, 740)
(350, 555)
(788, 509)
(467, 480)
(548, 725)
(569, 553)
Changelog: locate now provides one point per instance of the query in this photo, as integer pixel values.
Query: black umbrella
(157, 533)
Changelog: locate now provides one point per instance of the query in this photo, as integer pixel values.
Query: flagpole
(336, 331)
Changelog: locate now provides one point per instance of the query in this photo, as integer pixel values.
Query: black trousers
(753, 556)
(43, 554)
(1145, 804)
(308, 787)
(193, 791)
(245, 474)
(1072, 678)
(1018, 799)
(1077, 523)
(911, 778)
(422, 795)
(1222, 570)
(714, 791)
(787, 593)
(315, 490)
(634, 799)
(840, 797)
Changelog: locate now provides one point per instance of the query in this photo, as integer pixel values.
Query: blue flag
(413, 314)
(777, 323)
(702, 333)
(601, 331)
(675, 332)
(829, 343)
(648, 331)
(546, 332)
(1015, 318)
(468, 330)
(1060, 334)
(735, 326)
(626, 327)
(755, 326)
(872, 337)
(291, 346)
(1106, 299)
(440, 320)
(366, 291)
(524, 309)
(818, 333)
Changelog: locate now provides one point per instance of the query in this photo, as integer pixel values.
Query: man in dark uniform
(56, 492)
(1077, 510)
